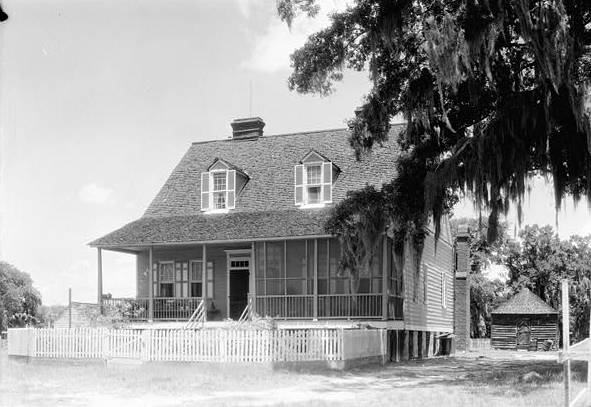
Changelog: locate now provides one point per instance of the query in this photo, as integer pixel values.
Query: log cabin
(525, 321)
(241, 220)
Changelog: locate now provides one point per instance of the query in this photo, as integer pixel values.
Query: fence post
(31, 345)
(384, 345)
(69, 307)
(105, 351)
(341, 342)
(146, 345)
(566, 339)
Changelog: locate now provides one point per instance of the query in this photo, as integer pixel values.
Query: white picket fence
(186, 345)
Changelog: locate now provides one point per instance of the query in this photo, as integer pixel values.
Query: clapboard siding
(422, 311)
(504, 329)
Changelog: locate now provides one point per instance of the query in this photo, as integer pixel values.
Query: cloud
(95, 194)
(273, 47)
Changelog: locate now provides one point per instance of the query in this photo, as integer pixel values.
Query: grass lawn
(491, 379)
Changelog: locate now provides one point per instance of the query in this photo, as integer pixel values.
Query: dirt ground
(478, 379)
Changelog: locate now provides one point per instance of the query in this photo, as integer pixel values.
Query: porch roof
(216, 227)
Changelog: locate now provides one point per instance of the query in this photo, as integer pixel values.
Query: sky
(99, 100)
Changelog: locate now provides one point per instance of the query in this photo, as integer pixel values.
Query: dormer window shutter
(327, 181)
(205, 191)
(299, 184)
(231, 191)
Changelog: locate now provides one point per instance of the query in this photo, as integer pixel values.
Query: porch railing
(285, 306)
(350, 306)
(136, 309)
(338, 306)
(329, 306)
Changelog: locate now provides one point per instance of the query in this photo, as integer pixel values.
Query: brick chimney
(248, 128)
(462, 291)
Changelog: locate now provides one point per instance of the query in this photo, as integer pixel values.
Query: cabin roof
(525, 302)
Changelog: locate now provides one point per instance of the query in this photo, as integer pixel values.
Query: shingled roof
(525, 302)
(265, 207)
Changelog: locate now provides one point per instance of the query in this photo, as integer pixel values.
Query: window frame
(324, 181)
(214, 192)
(211, 191)
(308, 185)
(199, 264)
(167, 282)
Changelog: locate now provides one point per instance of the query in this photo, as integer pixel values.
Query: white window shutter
(327, 182)
(299, 184)
(231, 192)
(205, 191)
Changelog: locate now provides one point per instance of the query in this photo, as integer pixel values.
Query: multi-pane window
(181, 278)
(166, 279)
(218, 190)
(196, 278)
(313, 182)
(209, 274)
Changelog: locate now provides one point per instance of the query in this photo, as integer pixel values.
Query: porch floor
(281, 324)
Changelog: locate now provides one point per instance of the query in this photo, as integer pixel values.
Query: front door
(239, 273)
(523, 335)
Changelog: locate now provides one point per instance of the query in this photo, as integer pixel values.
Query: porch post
(204, 278)
(150, 285)
(385, 278)
(100, 279)
(285, 277)
(253, 278)
(315, 279)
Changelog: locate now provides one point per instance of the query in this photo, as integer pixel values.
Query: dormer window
(220, 190)
(313, 180)
(313, 189)
(219, 185)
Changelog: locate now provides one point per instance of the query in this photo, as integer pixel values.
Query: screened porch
(283, 279)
